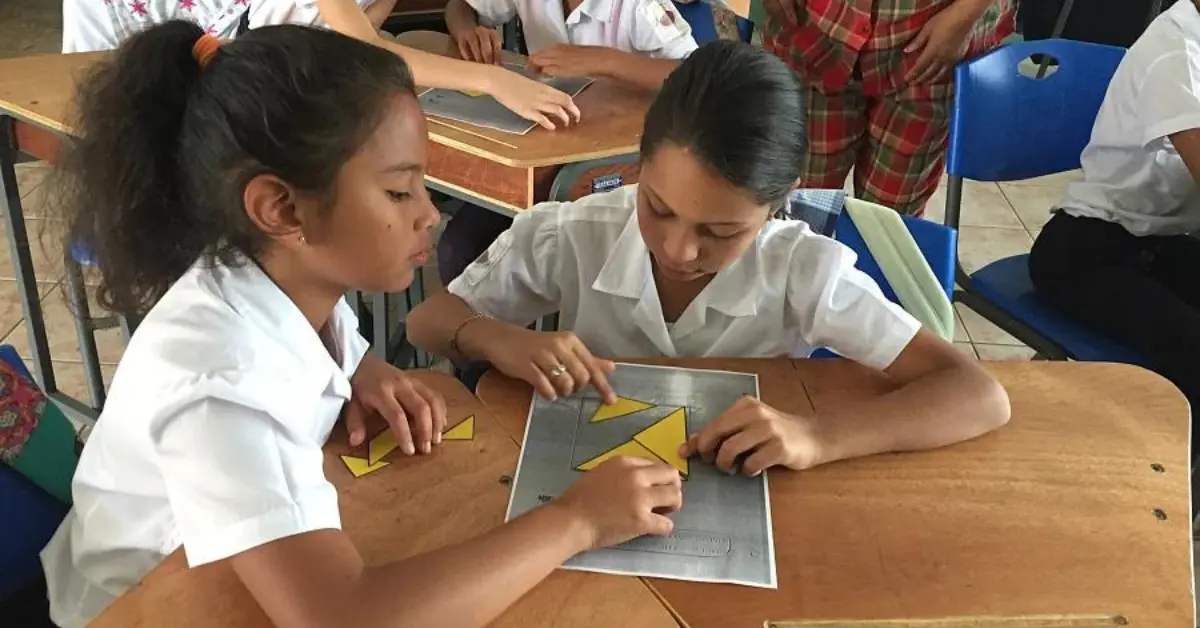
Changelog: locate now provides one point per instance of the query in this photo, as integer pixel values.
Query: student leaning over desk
(91, 25)
(237, 192)
(635, 41)
(690, 262)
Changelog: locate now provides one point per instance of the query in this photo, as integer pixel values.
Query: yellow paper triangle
(465, 430)
(472, 93)
(629, 448)
(360, 467)
(383, 444)
(621, 408)
(664, 438)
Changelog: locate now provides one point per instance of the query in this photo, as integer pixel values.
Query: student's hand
(414, 412)
(566, 60)
(534, 101)
(942, 42)
(759, 435)
(624, 498)
(554, 363)
(479, 44)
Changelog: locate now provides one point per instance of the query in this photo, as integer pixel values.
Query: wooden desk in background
(412, 506)
(509, 173)
(1064, 510)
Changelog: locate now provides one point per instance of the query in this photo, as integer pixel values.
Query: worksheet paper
(483, 110)
(722, 533)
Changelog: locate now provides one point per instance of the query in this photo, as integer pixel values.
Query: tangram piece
(665, 437)
(472, 93)
(360, 466)
(465, 430)
(383, 444)
(622, 407)
(628, 448)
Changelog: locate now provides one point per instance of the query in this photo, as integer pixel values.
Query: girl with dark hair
(233, 194)
(690, 262)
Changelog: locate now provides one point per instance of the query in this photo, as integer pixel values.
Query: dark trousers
(468, 234)
(1141, 291)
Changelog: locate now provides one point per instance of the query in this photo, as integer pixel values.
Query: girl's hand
(414, 412)
(566, 60)
(758, 436)
(554, 363)
(624, 498)
(534, 101)
(480, 44)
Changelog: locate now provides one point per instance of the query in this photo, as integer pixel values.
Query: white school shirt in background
(210, 438)
(92, 25)
(791, 292)
(650, 27)
(1132, 175)
(302, 12)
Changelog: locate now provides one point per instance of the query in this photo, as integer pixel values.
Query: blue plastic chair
(938, 243)
(1008, 126)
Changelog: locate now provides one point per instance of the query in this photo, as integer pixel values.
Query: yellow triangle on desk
(360, 467)
(465, 430)
(628, 448)
(383, 444)
(665, 437)
(622, 407)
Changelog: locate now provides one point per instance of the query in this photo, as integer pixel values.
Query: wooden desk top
(611, 123)
(38, 89)
(1054, 513)
(413, 506)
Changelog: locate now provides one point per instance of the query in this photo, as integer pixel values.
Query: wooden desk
(1054, 513)
(509, 173)
(413, 506)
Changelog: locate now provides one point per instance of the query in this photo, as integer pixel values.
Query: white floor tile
(983, 205)
(982, 331)
(980, 246)
(1032, 202)
(1004, 353)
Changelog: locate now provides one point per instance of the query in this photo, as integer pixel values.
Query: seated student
(237, 192)
(635, 41)
(1116, 255)
(690, 262)
(92, 25)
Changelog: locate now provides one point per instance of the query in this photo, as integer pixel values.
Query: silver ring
(558, 371)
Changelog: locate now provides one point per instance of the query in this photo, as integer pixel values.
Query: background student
(878, 77)
(237, 192)
(634, 41)
(691, 262)
(1116, 255)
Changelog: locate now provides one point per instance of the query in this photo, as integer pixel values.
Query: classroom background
(1003, 221)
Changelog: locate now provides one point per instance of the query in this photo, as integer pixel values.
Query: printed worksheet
(483, 110)
(722, 534)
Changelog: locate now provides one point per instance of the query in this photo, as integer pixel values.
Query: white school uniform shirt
(210, 438)
(650, 27)
(301, 12)
(791, 292)
(1132, 175)
(92, 25)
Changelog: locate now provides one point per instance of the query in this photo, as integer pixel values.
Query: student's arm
(529, 99)
(245, 488)
(1187, 143)
(319, 579)
(379, 12)
(484, 313)
(942, 396)
(660, 36)
(477, 42)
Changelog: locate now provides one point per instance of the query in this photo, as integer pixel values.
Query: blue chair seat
(1006, 284)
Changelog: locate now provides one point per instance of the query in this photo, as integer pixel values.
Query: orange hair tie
(205, 49)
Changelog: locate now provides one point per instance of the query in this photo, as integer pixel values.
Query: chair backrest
(699, 16)
(1008, 125)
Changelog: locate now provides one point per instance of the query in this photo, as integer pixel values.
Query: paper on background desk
(722, 534)
(485, 111)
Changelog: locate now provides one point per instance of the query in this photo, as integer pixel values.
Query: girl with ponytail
(231, 194)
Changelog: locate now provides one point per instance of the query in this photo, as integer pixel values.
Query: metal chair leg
(85, 332)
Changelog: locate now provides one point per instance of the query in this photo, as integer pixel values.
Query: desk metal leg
(18, 246)
(85, 332)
